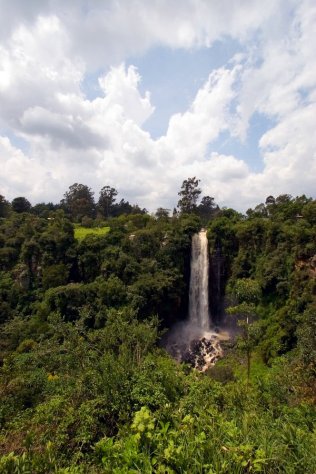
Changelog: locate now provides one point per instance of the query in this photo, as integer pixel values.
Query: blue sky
(163, 69)
(142, 95)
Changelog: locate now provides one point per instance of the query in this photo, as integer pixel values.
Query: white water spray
(199, 316)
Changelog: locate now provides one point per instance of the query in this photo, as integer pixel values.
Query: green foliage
(156, 382)
(20, 204)
(84, 385)
(4, 207)
(78, 202)
(206, 440)
(66, 300)
(247, 290)
(307, 341)
(54, 275)
(106, 201)
(189, 195)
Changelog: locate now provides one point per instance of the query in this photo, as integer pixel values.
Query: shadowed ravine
(193, 341)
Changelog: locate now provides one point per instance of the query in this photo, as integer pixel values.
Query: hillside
(86, 386)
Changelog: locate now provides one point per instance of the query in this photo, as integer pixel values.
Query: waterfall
(198, 295)
(192, 341)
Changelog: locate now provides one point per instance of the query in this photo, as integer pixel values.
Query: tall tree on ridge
(106, 200)
(207, 208)
(79, 202)
(4, 206)
(189, 195)
(21, 204)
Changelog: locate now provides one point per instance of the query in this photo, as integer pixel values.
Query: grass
(82, 232)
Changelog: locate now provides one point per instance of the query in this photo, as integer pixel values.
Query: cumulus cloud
(48, 48)
(189, 134)
(285, 74)
(107, 32)
(22, 175)
(121, 91)
(290, 149)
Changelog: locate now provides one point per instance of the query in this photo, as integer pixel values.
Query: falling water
(198, 296)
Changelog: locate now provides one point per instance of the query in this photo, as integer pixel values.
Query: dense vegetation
(86, 386)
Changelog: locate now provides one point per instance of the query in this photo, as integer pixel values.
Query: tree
(106, 201)
(122, 207)
(189, 195)
(4, 207)
(207, 208)
(55, 275)
(307, 340)
(309, 212)
(259, 211)
(21, 204)
(162, 213)
(43, 209)
(270, 201)
(57, 240)
(79, 202)
(248, 292)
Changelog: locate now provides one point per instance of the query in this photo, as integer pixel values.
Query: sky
(141, 95)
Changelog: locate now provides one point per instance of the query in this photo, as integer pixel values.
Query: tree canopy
(79, 202)
(106, 200)
(86, 385)
(20, 204)
(189, 195)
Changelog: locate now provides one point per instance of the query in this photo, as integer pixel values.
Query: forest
(88, 291)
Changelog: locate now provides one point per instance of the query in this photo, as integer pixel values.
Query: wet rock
(199, 353)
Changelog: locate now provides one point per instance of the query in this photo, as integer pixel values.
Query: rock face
(22, 276)
(197, 348)
(203, 353)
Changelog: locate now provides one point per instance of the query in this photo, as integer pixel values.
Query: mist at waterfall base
(194, 341)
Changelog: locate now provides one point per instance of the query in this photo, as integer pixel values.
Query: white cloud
(287, 68)
(290, 151)
(48, 48)
(106, 32)
(121, 91)
(189, 134)
(21, 175)
(35, 68)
